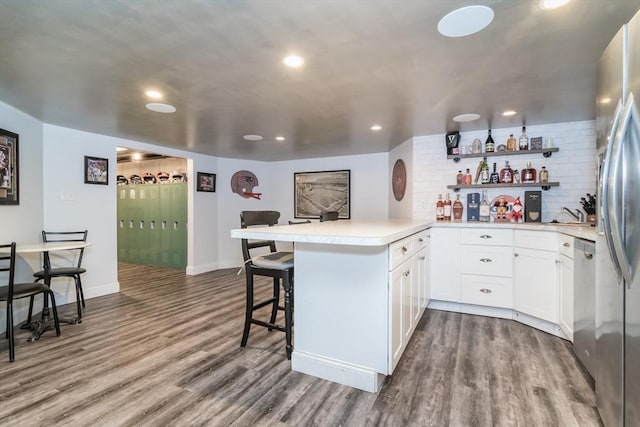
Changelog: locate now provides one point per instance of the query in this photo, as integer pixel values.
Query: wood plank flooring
(165, 352)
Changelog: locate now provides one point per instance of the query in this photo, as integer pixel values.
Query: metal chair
(13, 291)
(72, 272)
(278, 265)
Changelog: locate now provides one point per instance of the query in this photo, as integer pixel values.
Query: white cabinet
(566, 285)
(536, 290)
(445, 261)
(400, 281)
(426, 295)
(419, 285)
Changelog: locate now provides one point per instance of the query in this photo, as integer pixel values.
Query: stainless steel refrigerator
(618, 241)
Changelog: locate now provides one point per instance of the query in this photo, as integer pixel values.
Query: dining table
(38, 327)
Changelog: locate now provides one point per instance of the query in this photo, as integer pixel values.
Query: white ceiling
(85, 64)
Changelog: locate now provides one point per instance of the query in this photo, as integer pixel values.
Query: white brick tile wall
(574, 166)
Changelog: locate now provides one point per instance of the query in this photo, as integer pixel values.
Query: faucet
(578, 215)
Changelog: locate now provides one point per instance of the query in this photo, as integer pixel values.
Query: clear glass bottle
(528, 174)
(459, 178)
(506, 173)
(516, 176)
(523, 142)
(485, 210)
(458, 209)
(447, 208)
(489, 144)
(484, 172)
(467, 177)
(476, 146)
(511, 143)
(439, 209)
(544, 175)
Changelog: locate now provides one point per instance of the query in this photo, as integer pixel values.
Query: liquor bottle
(459, 178)
(511, 143)
(467, 177)
(494, 178)
(439, 209)
(516, 176)
(473, 207)
(478, 171)
(528, 174)
(476, 146)
(457, 209)
(484, 173)
(524, 140)
(489, 145)
(447, 208)
(544, 175)
(485, 210)
(506, 173)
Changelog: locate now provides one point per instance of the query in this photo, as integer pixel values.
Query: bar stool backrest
(253, 219)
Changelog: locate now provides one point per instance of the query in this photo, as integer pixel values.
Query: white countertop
(586, 232)
(342, 232)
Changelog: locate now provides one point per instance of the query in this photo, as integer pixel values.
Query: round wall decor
(399, 179)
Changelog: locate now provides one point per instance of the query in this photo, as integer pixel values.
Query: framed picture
(96, 170)
(9, 177)
(322, 191)
(206, 182)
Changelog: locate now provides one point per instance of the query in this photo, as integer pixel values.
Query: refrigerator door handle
(629, 117)
(606, 173)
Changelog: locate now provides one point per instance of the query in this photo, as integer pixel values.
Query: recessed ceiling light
(465, 21)
(376, 127)
(606, 100)
(153, 94)
(468, 117)
(136, 156)
(552, 4)
(293, 61)
(161, 108)
(508, 113)
(252, 138)
(279, 138)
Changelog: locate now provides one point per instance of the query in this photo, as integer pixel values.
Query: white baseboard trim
(193, 270)
(337, 371)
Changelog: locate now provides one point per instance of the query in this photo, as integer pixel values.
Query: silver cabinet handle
(406, 273)
(421, 240)
(566, 244)
(423, 258)
(485, 291)
(486, 236)
(486, 260)
(404, 250)
(516, 254)
(588, 255)
(557, 261)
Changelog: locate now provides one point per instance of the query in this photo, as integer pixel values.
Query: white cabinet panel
(487, 260)
(400, 310)
(566, 294)
(536, 283)
(445, 271)
(418, 284)
(486, 290)
(400, 251)
(535, 239)
(487, 236)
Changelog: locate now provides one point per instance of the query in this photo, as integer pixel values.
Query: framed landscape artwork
(315, 192)
(96, 170)
(9, 177)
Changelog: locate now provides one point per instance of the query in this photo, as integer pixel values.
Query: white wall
(23, 222)
(574, 166)
(404, 207)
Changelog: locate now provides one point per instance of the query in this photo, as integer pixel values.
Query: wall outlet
(67, 195)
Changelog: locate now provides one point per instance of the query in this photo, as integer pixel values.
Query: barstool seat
(275, 260)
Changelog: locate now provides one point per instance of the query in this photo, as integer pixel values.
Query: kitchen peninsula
(360, 288)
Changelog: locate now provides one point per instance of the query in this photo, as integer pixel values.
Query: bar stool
(329, 216)
(279, 266)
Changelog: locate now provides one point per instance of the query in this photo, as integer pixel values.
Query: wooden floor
(165, 351)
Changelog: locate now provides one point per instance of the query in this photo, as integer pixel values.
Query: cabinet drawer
(419, 241)
(542, 240)
(487, 236)
(487, 260)
(486, 290)
(566, 245)
(400, 251)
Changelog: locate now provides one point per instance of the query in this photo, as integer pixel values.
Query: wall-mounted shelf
(546, 152)
(545, 186)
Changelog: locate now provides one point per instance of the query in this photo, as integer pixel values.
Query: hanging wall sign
(243, 183)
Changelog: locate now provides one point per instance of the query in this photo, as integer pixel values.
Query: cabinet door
(566, 295)
(445, 280)
(426, 290)
(399, 286)
(536, 283)
(418, 280)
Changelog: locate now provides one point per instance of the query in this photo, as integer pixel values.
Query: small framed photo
(206, 182)
(96, 170)
(536, 143)
(9, 177)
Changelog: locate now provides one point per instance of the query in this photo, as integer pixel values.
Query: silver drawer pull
(486, 260)
(486, 236)
(588, 255)
(423, 258)
(566, 244)
(406, 273)
(485, 291)
(421, 240)
(404, 250)
(516, 254)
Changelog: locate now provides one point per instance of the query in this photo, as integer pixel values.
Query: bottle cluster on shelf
(479, 209)
(507, 175)
(523, 143)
